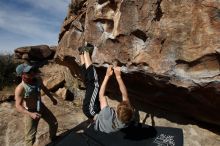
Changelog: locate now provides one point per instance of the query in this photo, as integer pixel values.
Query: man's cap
(23, 68)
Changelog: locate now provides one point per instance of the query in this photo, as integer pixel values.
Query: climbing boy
(95, 105)
(91, 105)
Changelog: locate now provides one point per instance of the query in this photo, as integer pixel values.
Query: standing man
(28, 102)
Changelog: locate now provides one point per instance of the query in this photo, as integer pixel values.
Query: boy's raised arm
(102, 97)
(123, 89)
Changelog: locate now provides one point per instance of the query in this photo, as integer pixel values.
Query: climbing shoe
(89, 48)
(81, 50)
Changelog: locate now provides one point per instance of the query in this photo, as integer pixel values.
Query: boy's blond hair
(124, 111)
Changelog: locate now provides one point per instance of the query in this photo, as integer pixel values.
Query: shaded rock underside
(170, 48)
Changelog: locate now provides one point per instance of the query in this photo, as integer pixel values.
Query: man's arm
(19, 100)
(102, 97)
(123, 89)
(47, 92)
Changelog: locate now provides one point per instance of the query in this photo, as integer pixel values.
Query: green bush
(7, 71)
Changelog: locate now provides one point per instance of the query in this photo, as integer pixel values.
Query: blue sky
(30, 22)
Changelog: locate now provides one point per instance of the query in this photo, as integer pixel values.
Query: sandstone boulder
(53, 76)
(36, 53)
(65, 94)
(170, 50)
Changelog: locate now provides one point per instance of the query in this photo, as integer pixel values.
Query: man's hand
(35, 116)
(109, 71)
(117, 71)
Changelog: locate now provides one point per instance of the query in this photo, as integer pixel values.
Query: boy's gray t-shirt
(107, 121)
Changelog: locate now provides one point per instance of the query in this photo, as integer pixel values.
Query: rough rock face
(170, 48)
(53, 76)
(57, 76)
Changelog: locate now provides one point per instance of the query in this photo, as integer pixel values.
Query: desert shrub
(7, 71)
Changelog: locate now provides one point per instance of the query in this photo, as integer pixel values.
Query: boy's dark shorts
(91, 104)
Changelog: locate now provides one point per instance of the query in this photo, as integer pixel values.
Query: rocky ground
(69, 115)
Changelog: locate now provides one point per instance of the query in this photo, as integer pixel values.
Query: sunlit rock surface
(35, 53)
(170, 48)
